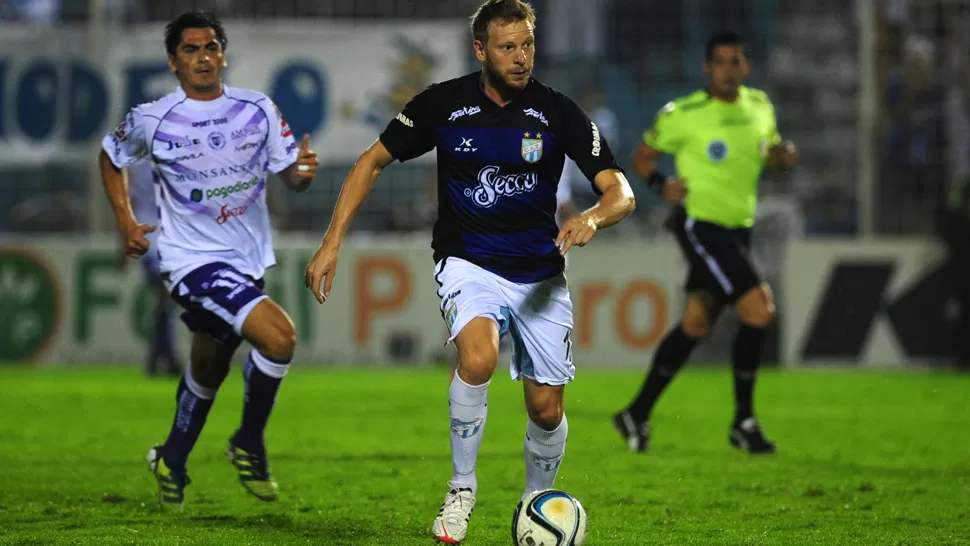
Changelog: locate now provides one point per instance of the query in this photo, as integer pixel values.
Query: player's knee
(281, 343)
(759, 317)
(546, 416)
(475, 366)
(696, 325)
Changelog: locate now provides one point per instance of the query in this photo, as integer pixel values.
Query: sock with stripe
(193, 404)
(467, 410)
(544, 450)
(263, 378)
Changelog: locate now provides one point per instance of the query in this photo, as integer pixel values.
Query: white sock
(467, 409)
(544, 450)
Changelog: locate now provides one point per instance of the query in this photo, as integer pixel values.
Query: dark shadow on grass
(321, 530)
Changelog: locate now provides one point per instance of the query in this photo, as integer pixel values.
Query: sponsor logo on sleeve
(596, 140)
(121, 131)
(405, 120)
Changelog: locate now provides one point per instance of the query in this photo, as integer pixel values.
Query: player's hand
(577, 231)
(674, 190)
(306, 162)
(322, 267)
(136, 244)
(783, 155)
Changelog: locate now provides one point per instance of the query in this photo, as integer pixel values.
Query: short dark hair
(501, 10)
(192, 19)
(725, 38)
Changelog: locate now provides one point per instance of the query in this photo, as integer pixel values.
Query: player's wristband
(656, 180)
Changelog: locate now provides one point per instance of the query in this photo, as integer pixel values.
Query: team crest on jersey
(121, 132)
(717, 150)
(532, 148)
(217, 140)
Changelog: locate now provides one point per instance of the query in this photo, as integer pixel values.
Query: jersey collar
(180, 93)
(492, 105)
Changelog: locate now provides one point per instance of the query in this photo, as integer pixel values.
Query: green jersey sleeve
(667, 133)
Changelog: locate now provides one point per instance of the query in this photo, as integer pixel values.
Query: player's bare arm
(615, 203)
(299, 175)
(672, 189)
(357, 185)
(116, 186)
(782, 156)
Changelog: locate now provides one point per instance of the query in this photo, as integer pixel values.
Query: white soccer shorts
(538, 317)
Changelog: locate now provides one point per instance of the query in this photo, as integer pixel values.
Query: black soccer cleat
(637, 435)
(747, 436)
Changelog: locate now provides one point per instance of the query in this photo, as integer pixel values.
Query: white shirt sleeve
(127, 143)
(283, 148)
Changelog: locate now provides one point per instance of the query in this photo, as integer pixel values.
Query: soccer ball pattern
(549, 518)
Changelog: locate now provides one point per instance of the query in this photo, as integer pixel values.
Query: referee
(721, 138)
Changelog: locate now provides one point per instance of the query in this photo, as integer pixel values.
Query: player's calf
(545, 435)
(468, 398)
(193, 402)
(271, 332)
(477, 344)
(756, 310)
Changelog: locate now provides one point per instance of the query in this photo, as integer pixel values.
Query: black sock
(261, 389)
(190, 416)
(667, 361)
(746, 357)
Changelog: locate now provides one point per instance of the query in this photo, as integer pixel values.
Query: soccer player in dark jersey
(721, 138)
(502, 137)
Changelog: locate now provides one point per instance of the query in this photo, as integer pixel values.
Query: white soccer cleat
(451, 525)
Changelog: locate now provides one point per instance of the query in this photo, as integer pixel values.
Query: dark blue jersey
(498, 170)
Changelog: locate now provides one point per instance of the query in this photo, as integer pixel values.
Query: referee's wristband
(656, 180)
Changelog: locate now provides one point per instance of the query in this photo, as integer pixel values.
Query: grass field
(362, 458)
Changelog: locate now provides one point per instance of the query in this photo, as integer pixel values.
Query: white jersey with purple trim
(141, 190)
(210, 163)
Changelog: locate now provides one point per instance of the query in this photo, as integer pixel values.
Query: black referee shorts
(719, 257)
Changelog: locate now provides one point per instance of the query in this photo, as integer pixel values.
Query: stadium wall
(61, 89)
(879, 303)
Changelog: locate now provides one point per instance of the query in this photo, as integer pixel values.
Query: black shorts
(719, 258)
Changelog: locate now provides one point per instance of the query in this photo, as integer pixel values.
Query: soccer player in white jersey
(502, 138)
(212, 147)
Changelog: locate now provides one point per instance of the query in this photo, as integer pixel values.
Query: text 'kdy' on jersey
(498, 170)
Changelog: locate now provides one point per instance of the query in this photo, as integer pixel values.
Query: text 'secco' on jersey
(498, 170)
